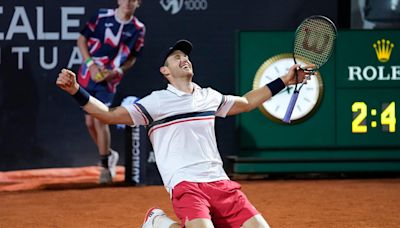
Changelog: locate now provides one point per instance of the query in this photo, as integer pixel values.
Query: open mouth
(185, 66)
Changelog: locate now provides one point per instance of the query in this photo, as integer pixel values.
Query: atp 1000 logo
(176, 6)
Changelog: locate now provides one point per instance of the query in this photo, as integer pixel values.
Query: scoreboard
(352, 122)
(368, 87)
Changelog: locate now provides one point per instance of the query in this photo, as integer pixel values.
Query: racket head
(315, 40)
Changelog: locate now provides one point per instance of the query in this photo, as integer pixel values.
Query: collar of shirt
(123, 22)
(180, 93)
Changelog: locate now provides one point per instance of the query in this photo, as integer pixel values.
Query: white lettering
(175, 6)
(136, 154)
(43, 64)
(381, 70)
(20, 51)
(1, 34)
(374, 73)
(354, 71)
(136, 171)
(20, 23)
(67, 23)
(41, 35)
(136, 148)
(76, 57)
(26, 28)
(371, 73)
(46, 63)
(151, 158)
(196, 4)
(395, 72)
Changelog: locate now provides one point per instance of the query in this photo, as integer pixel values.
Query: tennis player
(180, 121)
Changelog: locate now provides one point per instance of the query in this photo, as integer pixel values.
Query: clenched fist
(67, 81)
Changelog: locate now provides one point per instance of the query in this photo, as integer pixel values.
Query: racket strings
(314, 41)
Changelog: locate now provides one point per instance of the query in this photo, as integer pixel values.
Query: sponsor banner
(140, 162)
(177, 6)
(368, 58)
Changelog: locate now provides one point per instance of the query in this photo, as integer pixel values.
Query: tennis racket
(314, 42)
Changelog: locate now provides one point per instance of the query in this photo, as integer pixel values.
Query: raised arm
(256, 97)
(67, 81)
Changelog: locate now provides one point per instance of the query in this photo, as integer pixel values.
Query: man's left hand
(303, 74)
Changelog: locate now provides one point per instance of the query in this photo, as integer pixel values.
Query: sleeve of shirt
(139, 42)
(142, 112)
(226, 104)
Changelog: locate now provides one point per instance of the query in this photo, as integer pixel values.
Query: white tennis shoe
(151, 214)
(112, 162)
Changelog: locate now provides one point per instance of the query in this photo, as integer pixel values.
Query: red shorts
(221, 201)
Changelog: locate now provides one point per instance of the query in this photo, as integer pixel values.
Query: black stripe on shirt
(181, 116)
(222, 102)
(145, 113)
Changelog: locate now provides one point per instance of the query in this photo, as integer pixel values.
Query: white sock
(163, 221)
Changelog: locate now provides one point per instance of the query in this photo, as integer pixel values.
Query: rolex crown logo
(383, 49)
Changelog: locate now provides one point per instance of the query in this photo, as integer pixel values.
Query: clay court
(72, 198)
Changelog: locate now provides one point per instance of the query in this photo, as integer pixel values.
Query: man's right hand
(67, 81)
(96, 73)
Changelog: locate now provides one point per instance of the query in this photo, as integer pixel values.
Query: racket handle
(290, 108)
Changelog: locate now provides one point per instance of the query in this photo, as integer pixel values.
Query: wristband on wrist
(89, 62)
(81, 96)
(276, 86)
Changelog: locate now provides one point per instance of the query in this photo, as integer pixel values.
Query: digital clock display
(368, 117)
(360, 113)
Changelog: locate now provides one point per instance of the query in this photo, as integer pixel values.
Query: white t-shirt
(181, 129)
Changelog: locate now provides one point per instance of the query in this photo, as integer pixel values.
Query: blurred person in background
(110, 43)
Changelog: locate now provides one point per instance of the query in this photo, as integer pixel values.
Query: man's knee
(257, 221)
(199, 223)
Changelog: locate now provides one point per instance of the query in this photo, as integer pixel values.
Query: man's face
(128, 6)
(179, 64)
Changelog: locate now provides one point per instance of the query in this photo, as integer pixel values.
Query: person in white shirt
(180, 121)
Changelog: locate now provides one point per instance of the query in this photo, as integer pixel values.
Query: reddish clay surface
(76, 200)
